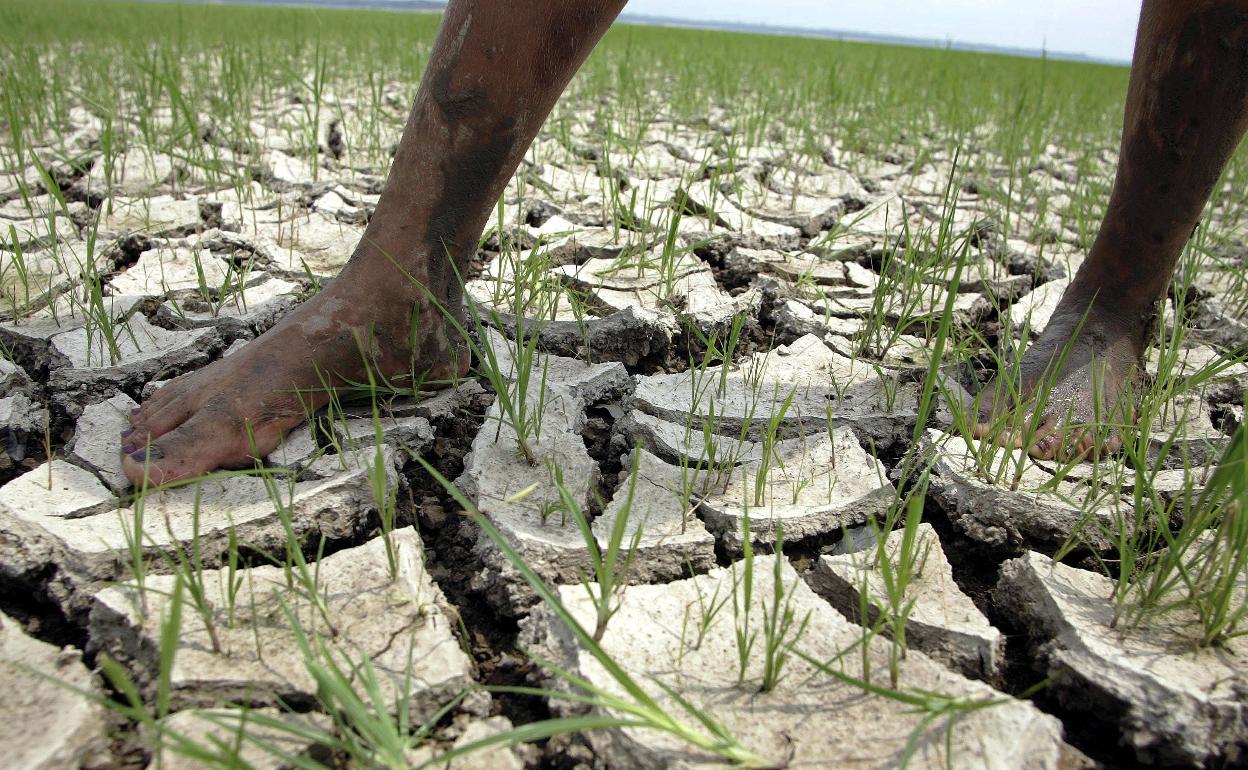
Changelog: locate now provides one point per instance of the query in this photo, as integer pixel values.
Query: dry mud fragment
(1183, 435)
(811, 214)
(45, 725)
(397, 620)
(805, 719)
(78, 531)
(942, 621)
(97, 441)
(222, 727)
(672, 539)
(252, 310)
(644, 282)
(824, 385)
(308, 242)
(169, 267)
(715, 210)
(157, 216)
(47, 273)
(1035, 308)
(973, 481)
(810, 485)
(497, 757)
(137, 172)
(1175, 703)
(32, 234)
(519, 494)
(89, 365)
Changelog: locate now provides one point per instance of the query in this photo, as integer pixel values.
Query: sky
(1104, 29)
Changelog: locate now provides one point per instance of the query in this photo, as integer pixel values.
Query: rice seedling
(609, 569)
(782, 631)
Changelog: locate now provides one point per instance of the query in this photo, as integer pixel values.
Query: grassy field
(964, 187)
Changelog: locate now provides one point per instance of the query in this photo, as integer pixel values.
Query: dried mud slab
(91, 365)
(1174, 703)
(46, 725)
(975, 483)
(96, 445)
(824, 385)
(811, 485)
(519, 494)
(219, 726)
(1035, 309)
(397, 618)
(157, 216)
(804, 720)
(669, 538)
(497, 757)
(942, 621)
(61, 522)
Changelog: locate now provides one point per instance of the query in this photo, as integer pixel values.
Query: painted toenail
(129, 448)
(134, 410)
(139, 456)
(127, 432)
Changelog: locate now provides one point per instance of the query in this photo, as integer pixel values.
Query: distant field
(725, 324)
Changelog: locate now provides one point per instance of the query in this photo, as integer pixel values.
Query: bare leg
(1186, 111)
(496, 70)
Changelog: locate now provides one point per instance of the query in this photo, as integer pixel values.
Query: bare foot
(1089, 396)
(210, 418)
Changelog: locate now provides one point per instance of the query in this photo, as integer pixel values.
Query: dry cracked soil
(806, 426)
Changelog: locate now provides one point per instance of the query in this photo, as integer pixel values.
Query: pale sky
(1101, 28)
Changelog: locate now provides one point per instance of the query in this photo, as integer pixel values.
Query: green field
(815, 250)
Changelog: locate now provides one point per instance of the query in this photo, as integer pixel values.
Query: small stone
(498, 757)
(941, 620)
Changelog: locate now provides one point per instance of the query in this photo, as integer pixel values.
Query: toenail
(134, 410)
(127, 432)
(129, 448)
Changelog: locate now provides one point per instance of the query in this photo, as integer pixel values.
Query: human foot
(1074, 387)
(211, 418)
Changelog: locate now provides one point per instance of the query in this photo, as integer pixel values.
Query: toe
(148, 426)
(197, 447)
(1046, 447)
(166, 394)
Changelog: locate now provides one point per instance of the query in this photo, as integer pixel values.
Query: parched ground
(736, 311)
